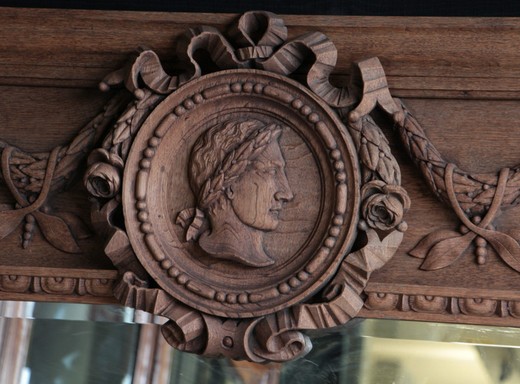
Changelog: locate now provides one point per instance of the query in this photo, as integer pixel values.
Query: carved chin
(270, 224)
(226, 246)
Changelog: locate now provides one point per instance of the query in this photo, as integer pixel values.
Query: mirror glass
(96, 344)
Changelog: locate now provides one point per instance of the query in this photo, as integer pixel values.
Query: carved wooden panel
(251, 183)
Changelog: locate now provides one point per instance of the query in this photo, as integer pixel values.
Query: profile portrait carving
(237, 174)
(242, 194)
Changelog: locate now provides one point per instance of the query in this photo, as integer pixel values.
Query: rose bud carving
(384, 205)
(103, 177)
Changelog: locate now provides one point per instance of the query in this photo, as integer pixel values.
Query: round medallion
(241, 193)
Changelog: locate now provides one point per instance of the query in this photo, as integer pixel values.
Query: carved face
(258, 195)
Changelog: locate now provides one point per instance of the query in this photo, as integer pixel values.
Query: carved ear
(230, 193)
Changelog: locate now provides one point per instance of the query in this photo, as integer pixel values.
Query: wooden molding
(247, 185)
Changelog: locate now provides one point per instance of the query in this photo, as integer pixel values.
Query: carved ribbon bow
(260, 38)
(442, 248)
(54, 229)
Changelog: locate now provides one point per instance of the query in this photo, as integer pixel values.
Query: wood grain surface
(459, 77)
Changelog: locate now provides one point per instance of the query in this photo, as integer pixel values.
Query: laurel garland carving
(103, 177)
(476, 199)
(33, 177)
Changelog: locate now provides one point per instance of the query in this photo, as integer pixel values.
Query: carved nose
(284, 194)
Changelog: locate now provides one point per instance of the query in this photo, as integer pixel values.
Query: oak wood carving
(247, 198)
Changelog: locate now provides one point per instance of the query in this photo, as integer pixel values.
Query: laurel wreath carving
(475, 192)
(232, 167)
(235, 163)
(104, 175)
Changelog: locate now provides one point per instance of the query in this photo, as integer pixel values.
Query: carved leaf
(21, 158)
(485, 197)
(423, 247)
(462, 197)
(16, 173)
(81, 142)
(36, 172)
(388, 171)
(79, 228)
(205, 189)
(244, 151)
(370, 131)
(56, 232)
(371, 157)
(226, 164)
(514, 233)
(438, 180)
(419, 147)
(262, 139)
(121, 133)
(237, 169)
(9, 220)
(507, 248)
(445, 252)
(219, 182)
(36, 166)
(464, 180)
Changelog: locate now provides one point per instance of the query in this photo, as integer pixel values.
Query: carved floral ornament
(230, 200)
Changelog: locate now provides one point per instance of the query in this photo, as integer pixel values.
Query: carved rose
(102, 180)
(103, 177)
(384, 205)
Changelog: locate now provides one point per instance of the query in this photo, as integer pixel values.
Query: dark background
(312, 7)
